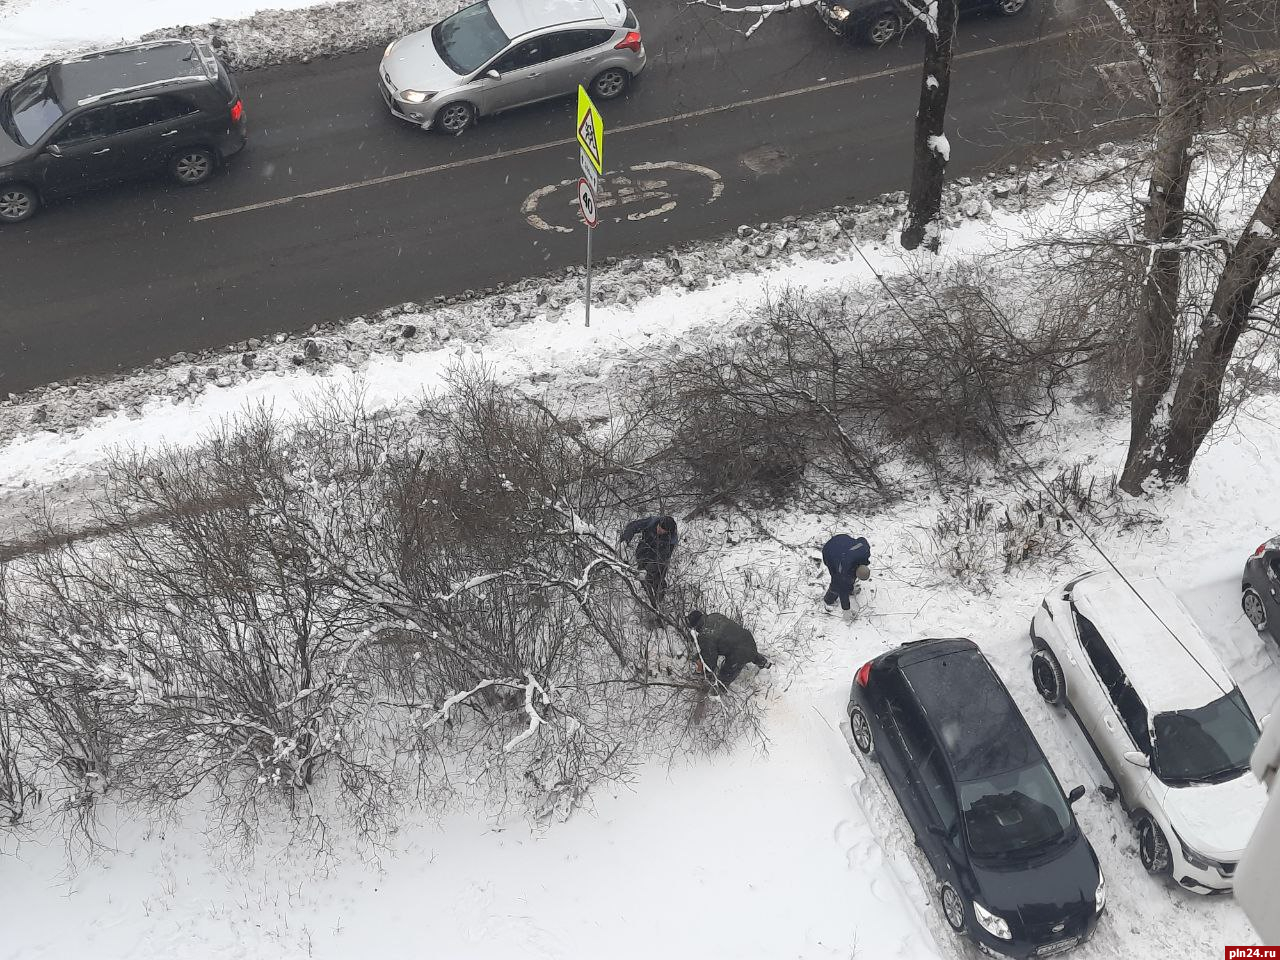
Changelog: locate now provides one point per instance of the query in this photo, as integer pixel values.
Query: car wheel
(1010, 7)
(953, 908)
(192, 166)
(861, 730)
(1046, 673)
(1253, 608)
(882, 28)
(1153, 848)
(18, 202)
(456, 118)
(609, 84)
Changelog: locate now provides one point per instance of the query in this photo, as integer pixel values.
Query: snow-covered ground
(791, 850)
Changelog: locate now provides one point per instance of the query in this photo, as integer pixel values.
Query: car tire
(953, 908)
(192, 166)
(1046, 674)
(1253, 607)
(1153, 848)
(18, 202)
(860, 730)
(1009, 8)
(456, 118)
(610, 84)
(881, 28)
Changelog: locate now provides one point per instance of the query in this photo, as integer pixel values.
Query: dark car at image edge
(878, 21)
(1014, 870)
(73, 125)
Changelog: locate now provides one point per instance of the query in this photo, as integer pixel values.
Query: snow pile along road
(249, 33)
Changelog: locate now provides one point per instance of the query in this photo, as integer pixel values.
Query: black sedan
(1260, 589)
(1014, 869)
(879, 21)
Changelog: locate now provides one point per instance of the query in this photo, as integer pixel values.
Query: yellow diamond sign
(590, 130)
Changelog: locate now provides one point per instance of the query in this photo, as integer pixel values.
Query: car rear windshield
(467, 40)
(1014, 813)
(31, 108)
(1206, 745)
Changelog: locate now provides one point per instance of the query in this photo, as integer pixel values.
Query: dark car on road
(1260, 589)
(879, 21)
(168, 105)
(1013, 868)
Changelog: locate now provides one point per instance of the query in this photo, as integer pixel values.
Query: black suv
(1260, 589)
(169, 105)
(879, 21)
(1014, 870)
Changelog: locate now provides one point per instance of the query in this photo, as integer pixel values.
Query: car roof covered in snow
(518, 17)
(1167, 658)
(980, 728)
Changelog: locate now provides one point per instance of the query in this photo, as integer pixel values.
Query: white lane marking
(619, 190)
(626, 128)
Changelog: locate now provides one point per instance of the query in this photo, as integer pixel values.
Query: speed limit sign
(587, 201)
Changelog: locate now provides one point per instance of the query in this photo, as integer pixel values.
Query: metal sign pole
(588, 292)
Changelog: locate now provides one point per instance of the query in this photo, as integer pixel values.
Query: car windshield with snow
(1163, 715)
(1016, 872)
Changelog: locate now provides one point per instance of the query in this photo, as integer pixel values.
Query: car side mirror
(1138, 759)
(53, 150)
(493, 74)
(1076, 793)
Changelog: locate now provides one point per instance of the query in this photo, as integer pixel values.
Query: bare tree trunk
(1170, 448)
(1177, 54)
(924, 205)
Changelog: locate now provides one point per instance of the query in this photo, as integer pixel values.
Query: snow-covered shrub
(830, 389)
(374, 606)
(976, 539)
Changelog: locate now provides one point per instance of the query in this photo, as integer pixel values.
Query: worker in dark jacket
(848, 560)
(725, 647)
(658, 539)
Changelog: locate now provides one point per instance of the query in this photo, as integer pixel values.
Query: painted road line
(626, 128)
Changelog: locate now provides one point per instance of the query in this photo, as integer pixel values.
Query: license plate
(1058, 946)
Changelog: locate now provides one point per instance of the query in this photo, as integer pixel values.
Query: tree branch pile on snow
(356, 606)
(829, 390)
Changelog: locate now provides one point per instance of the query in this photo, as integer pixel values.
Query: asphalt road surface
(336, 209)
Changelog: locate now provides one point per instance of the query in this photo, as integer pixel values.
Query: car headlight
(996, 926)
(1193, 858)
(1100, 895)
(416, 96)
(839, 13)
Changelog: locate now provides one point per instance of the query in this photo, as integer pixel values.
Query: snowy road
(791, 121)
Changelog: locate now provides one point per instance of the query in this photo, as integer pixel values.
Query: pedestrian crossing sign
(590, 130)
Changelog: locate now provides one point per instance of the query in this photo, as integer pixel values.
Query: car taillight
(630, 42)
(237, 111)
(864, 672)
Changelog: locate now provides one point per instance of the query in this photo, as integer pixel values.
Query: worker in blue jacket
(848, 560)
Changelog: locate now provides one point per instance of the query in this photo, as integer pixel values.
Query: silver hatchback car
(499, 54)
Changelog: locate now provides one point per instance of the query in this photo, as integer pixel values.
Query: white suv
(1163, 715)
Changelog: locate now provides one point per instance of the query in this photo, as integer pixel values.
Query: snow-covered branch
(762, 11)
(1139, 48)
(535, 719)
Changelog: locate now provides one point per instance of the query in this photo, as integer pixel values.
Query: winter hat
(693, 619)
(863, 572)
(668, 524)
